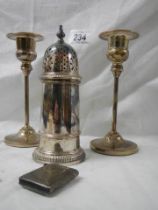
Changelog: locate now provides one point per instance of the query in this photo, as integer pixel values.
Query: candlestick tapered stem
(115, 102)
(26, 87)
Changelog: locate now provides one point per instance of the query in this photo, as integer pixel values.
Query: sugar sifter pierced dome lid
(60, 61)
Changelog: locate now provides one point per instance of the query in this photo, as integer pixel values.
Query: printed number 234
(79, 37)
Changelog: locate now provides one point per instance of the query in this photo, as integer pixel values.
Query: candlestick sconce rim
(120, 32)
(37, 37)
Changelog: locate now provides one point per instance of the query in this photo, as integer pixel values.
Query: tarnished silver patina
(47, 179)
(60, 133)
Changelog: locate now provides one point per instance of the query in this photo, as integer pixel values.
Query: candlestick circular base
(113, 144)
(26, 137)
(66, 158)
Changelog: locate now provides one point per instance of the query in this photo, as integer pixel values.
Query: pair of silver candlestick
(59, 139)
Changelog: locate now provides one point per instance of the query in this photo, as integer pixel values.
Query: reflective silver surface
(59, 133)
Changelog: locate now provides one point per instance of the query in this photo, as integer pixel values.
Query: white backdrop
(138, 95)
(138, 84)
